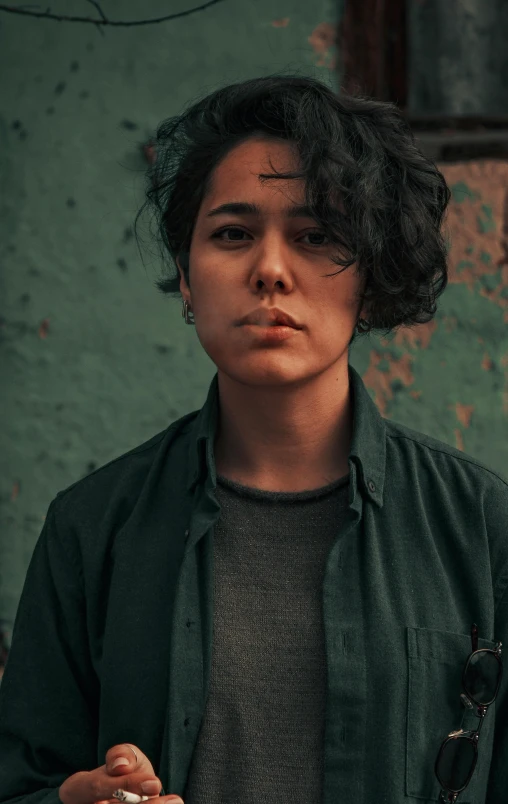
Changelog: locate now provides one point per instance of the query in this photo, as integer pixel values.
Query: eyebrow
(244, 208)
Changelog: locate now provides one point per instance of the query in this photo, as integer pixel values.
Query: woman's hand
(98, 786)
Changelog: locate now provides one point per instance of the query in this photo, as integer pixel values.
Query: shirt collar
(367, 455)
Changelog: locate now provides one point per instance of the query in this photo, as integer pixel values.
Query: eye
(313, 232)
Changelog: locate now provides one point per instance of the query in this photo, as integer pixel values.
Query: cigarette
(129, 798)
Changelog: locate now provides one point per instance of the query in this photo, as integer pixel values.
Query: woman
(272, 599)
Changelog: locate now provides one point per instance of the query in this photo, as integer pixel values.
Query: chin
(267, 370)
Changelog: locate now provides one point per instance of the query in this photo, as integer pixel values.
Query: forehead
(240, 169)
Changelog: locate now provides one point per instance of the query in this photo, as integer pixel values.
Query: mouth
(269, 317)
(252, 322)
(271, 333)
(273, 324)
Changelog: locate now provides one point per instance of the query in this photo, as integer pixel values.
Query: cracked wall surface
(467, 340)
(94, 361)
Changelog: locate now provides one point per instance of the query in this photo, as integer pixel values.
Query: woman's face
(266, 260)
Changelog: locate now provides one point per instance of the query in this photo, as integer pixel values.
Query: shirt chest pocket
(436, 660)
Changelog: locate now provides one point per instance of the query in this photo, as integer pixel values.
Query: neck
(285, 437)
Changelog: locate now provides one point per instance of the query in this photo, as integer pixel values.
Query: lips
(270, 317)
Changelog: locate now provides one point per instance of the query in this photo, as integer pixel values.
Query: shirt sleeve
(498, 776)
(49, 692)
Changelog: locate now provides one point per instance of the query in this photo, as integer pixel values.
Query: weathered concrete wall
(449, 378)
(94, 361)
(458, 59)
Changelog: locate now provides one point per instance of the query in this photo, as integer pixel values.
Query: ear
(184, 288)
(364, 312)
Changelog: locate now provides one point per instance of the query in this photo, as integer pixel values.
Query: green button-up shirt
(112, 640)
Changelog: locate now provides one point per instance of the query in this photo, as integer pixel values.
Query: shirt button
(372, 485)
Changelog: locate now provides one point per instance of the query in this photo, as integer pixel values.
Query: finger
(123, 758)
(130, 763)
(171, 799)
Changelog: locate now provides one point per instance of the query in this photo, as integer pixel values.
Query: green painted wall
(94, 360)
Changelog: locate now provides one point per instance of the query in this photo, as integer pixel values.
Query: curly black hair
(369, 186)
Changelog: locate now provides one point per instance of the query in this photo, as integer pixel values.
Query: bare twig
(104, 21)
(99, 9)
(101, 12)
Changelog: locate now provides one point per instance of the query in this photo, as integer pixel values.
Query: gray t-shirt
(264, 716)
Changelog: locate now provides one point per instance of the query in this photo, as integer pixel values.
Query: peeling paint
(281, 23)
(478, 261)
(322, 40)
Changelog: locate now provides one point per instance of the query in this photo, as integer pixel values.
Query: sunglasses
(458, 755)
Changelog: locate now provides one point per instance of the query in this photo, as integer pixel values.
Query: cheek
(333, 328)
(214, 333)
